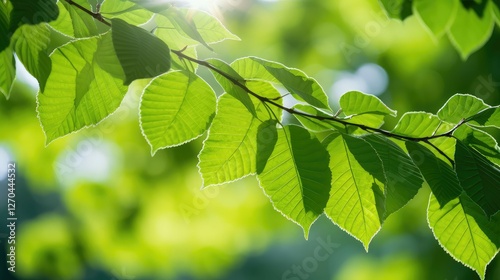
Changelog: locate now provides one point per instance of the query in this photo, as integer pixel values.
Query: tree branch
(292, 111)
(321, 118)
(97, 15)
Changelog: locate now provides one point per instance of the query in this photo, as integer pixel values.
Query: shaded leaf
(7, 71)
(296, 177)
(479, 178)
(176, 107)
(141, 54)
(403, 176)
(398, 9)
(32, 12)
(30, 43)
(441, 178)
(436, 16)
(5, 34)
(470, 31)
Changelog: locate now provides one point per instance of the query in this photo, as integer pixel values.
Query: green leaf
(296, 177)
(358, 103)
(141, 54)
(30, 43)
(403, 177)
(436, 16)
(4, 25)
(230, 86)
(252, 70)
(63, 24)
(84, 87)
(441, 178)
(211, 30)
(302, 87)
(32, 12)
(83, 24)
(495, 4)
(464, 232)
(487, 118)
(356, 202)
(176, 107)
(479, 178)
(154, 6)
(479, 140)
(460, 107)
(314, 124)
(470, 31)
(239, 143)
(398, 9)
(361, 108)
(421, 124)
(182, 22)
(7, 71)
(125, 10)
(417, 124)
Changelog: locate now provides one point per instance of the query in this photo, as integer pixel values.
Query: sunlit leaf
(229, 85)
(487, 118)
(84, 87)
(479, 178)
(403, 177)
(141, 54)
(182, 22)
(464, 232)
(357, 103)
(315, 124)
(83, 24)
(479, 140)
(296, 177)
(238, 142)
(125, 10)
(210, 29)
(176, 108)
(459, 107)
(361, 108)
(421, 124)
(301, 86)
(356, 202)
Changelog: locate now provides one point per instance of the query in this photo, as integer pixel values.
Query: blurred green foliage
(96, 205)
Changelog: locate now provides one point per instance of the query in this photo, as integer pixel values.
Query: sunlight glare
(206, 5)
